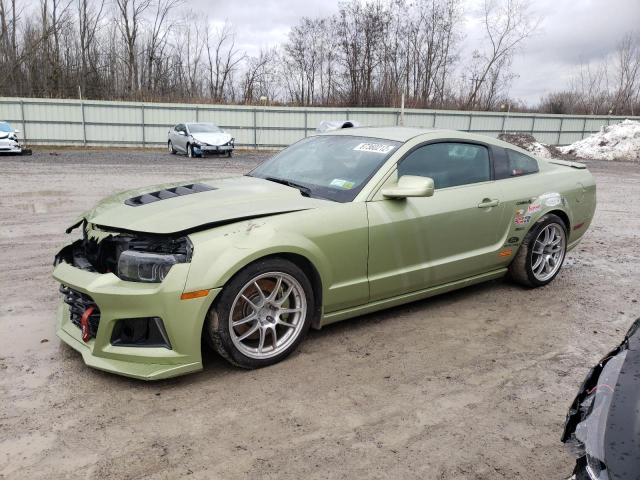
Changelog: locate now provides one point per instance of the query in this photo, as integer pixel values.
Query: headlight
(145, 266)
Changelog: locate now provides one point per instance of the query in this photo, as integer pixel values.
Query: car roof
(399, 134)
(404, 134)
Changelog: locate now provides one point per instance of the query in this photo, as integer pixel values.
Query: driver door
(180, 136)
(422, 242)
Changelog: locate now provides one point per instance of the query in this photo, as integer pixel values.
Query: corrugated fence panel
(55, 133)
(167, 115)
(546, 124)
(548, 138)
(420, 120)
(10, 112)
(486, 123)
(233, 117)
(518, 124)
(594, 124)
(145, 124)
(51, 112)
(453, 122)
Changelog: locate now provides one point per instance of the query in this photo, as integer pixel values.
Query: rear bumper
(118, 299)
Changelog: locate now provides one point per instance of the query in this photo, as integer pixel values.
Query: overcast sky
(572, 31)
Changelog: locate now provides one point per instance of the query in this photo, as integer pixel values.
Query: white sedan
(196, 139)
(9, 142)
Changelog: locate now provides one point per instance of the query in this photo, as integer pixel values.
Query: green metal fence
(77, 122)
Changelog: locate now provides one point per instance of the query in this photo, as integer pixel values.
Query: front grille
(78, 303)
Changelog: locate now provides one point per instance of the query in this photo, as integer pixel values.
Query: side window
(449, 164)
(180, 128)
(520, 164)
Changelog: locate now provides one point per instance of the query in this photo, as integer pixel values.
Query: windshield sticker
(373, 147)
(345, 184)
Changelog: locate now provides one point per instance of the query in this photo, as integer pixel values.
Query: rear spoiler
(564, 163)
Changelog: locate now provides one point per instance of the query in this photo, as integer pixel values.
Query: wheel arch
(564, 217)
(308, 268)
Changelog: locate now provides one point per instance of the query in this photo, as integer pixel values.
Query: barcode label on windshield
(374, 147)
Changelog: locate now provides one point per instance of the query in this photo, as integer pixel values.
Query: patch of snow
(539, 150)
(528, 143)
(620, 141)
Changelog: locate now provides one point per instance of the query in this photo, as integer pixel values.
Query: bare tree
(259, 76)
(223, 59)
(128, 21)
(507, 23)
(88, 20)
(627, 71)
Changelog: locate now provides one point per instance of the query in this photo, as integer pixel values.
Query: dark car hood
(603, 423)
(213, 202)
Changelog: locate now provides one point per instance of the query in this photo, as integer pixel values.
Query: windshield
(335, 167)
(203, 128)
(5, 127)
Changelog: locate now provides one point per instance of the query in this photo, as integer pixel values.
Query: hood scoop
(167, 193)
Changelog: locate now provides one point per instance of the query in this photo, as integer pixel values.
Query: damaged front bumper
(139, 330)
(10, 146)
(602, 428)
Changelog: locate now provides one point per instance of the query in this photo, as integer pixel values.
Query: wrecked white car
(9, 142)
(197, 139)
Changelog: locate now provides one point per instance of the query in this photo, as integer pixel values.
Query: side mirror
(181, 132)
(410, 186)
(16, 131)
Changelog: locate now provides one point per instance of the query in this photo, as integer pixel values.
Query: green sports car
(334, 226)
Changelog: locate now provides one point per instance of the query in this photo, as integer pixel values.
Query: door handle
(488, 203)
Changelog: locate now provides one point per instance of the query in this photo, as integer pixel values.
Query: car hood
(218, 138)
(221, 201)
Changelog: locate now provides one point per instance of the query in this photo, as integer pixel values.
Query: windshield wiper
(306, 191)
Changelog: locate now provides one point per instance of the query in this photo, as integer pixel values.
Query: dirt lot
(473, 384)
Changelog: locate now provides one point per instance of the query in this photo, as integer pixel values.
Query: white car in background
(9, 142)
(197, 139)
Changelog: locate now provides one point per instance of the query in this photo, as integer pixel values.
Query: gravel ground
(471, 384)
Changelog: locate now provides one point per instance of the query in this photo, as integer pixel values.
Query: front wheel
(262, 314)
(541, 254)
(190, 152)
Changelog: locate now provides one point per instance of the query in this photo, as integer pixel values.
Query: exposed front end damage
(602, 428)
(9, 143)
(122, 305)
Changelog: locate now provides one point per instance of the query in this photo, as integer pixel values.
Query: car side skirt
(339, 315)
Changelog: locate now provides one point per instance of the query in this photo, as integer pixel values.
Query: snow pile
(528, 143)
(614, 142)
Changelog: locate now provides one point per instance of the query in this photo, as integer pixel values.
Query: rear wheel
(172, 150)
(262, 314)
(541, 254)
(229, 153)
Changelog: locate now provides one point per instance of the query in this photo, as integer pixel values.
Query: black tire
(190, 153)
(229, 153)
(172, 150)
(217, 329)
(521, 268)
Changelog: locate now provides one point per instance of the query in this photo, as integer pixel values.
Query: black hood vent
(167, 193)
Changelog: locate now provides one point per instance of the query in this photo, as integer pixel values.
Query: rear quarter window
(509, 163)
(520, 164)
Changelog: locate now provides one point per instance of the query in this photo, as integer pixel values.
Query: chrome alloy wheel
(548, 252)
(267, 315)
